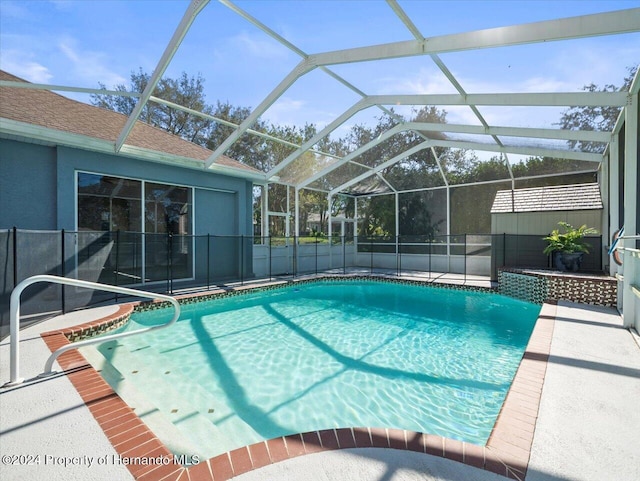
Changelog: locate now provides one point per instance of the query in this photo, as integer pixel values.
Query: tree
(248, 149)
(415, 171)
(416, 218)
(550, 165)
(419, 214)
(186, 91)
(596, 118)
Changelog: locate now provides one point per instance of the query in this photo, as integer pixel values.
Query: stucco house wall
(38, 188)
(46, 139)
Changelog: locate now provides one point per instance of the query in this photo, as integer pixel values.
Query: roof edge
(70, 139)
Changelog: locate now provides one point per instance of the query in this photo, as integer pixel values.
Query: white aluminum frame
(584, 26)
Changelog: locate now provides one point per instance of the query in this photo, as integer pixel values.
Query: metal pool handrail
(15, 318)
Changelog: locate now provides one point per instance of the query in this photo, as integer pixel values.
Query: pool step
(211, 405)
(157, 421)
(158, 401)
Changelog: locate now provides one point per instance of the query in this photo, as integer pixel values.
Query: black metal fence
(167, 263)
(525, 251)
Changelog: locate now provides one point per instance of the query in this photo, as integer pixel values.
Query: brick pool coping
(506, 453)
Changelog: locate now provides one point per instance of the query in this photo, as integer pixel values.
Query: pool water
(313, 356)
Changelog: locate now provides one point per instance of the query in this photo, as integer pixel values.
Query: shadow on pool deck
(593, 362)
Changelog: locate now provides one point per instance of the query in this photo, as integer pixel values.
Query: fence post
(242, 259)
(64, 306)
(344, 254)
(465, 257)
(135, 256)
(269, 244)
(295, 256)
(504, 248)
(317, 253)
(398, 257)
(430, 244)
(371, 256)
(169, 266)
(117, 261)
(208, 250)
(15, 256)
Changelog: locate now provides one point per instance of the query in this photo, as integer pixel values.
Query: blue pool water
(330, 354)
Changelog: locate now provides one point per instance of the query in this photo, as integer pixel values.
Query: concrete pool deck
(587, 424)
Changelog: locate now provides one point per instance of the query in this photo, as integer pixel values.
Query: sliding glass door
(123, 221)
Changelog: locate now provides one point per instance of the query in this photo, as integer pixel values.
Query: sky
(84, 43)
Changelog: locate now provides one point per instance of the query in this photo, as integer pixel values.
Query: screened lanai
(397, 126)
(420, 157)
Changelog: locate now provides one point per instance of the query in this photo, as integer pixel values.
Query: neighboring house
(317, 224)
(59, 170)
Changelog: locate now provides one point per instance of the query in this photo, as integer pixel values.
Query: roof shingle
(52, 111)
(552, 198)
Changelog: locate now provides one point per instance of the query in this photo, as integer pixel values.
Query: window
(167, 209)
(158, 216)
(108, 203)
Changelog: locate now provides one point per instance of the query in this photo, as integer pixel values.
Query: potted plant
(568, 247)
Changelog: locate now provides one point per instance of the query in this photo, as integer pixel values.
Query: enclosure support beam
(631, 267)
(442, 173)
(537, 133)
(603, 182)
(355, 231)
(287, 228)
(231, 124)
(265, 212)
(495, 181)
(557, 153)
(512, 99)
(329, 226)
(621, 21)
(418, 126)
(384, 165)
(346, 115)
(448, 228)
(443, 68)
(296, 207)
(515, 99)
(195, 7)
(330, 231)
(298, 71)
(397, 218)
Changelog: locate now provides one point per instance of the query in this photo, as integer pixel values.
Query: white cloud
(68, 50)
(461, 115)
(89, 67)
(582, 66)
(545, 84)
(260, 47)
(18, 63)
(423, 82)
(562, 73)
(286, 111)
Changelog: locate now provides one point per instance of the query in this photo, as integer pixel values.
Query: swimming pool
(329, 354)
